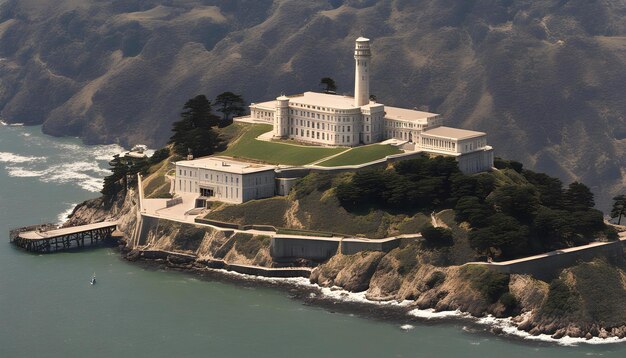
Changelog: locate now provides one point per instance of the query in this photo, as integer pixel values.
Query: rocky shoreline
(373, 284)
(336, 299)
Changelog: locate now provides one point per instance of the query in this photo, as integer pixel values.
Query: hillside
(544, 78)
(503, 214)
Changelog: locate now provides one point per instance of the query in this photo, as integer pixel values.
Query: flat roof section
(317, 99)
(403, 114)
(225, 164)
(452, 133)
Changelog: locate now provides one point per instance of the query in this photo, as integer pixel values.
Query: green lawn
(361, 155)
(275, 153)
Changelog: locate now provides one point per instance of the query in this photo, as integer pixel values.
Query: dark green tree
(550, 189)
(472, 210)
(503, 233)
(577, 197)
(619, 208)
(329, 85)
(519, 201)
(437, 236)
(230, 104)
(117, 180)
(194, 131)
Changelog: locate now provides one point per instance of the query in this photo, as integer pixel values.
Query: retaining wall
(549, 265)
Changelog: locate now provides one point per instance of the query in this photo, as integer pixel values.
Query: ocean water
(48, 308)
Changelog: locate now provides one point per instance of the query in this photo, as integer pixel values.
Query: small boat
(93, 279)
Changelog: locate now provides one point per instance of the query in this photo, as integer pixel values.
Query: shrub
(561, 300)
(437, 236)
(435, 279)
(249, 245)
(407, 258)
(508, 300)
(492, 285)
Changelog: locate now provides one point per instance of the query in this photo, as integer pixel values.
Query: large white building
(336, 120)
(224, 179)
(329, 120)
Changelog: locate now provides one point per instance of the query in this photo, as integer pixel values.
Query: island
(354, 194)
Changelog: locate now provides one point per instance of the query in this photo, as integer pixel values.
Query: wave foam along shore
(507, 325)
(12, 158)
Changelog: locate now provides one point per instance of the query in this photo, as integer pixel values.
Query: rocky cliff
(584, 301)
(544, 78)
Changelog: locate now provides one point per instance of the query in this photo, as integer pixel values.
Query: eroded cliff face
(122, 207)
(586, 300)
(206, 244)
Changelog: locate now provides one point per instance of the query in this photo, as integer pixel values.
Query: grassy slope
(319, 210)
(275, 153)
(361, 155)
(155, 185)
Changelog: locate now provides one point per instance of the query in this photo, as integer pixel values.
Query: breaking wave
(6, 157)
(59, 161)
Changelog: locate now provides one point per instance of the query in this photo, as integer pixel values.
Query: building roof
(452, 133)
(362, 39)
(333, 101)
(225, 164)
(403, 114)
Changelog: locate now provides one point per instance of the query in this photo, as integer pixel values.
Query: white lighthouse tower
(362, 57)
(281, 116)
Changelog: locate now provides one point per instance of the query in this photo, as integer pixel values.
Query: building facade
(336, 120)
(224, 179)
(469, 147)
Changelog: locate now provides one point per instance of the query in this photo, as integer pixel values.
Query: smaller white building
(224, 179)
(469, 147)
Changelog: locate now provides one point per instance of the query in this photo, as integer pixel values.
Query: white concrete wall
(327, 127)
(476, 162)
(227, 187)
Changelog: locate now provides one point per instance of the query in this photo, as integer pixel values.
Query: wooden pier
(45, 239)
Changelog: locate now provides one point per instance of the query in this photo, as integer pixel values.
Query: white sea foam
(3, 122)
(86, 175)
(506, 324)
(509, 327)
(16, 124)
(63, 216)
(106, 152)
(432, 314)
(7, 157)
(20, 172)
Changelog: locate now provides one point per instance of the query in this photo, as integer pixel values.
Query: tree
(230, 104)
(194, 130)
(550, 189)
(437, 236)
(519, 201)
(619, 208)
(504, 233)
(117, 180)
(577, 197)
(329, 85)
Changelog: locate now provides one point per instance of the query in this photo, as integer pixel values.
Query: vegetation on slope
(507, 214)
